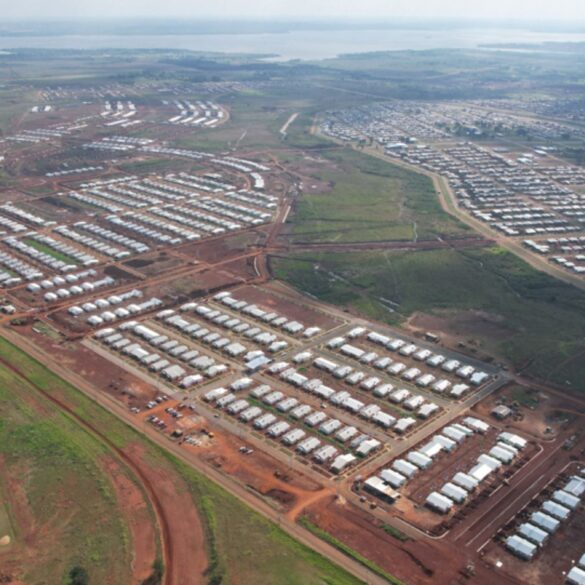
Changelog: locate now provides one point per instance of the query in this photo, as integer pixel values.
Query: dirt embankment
(139, 518)
(177, 521)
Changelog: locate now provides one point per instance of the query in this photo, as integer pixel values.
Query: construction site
(142, 271)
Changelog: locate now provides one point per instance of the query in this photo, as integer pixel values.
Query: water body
(298, 44)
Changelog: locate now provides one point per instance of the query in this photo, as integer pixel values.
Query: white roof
(379, 487)
(342, 461)
(447, 443)
(368, 445)
(432, 448)
(576, 576)
(566, 499)
(419, 459)
(490, 461)
(480, 471)
(454, 492)
(439, 502)
(393, 478)
(476, 424)
(520, 546)
(556, 510)
(575, 486)
(404, 467)
(454, 434)
(465, 481)
(544, 521)
(501, 454)
(293, 436)
(532, 533)
(514, 440)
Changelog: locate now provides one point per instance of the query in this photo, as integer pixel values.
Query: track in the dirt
(165, 531)
(383, 245)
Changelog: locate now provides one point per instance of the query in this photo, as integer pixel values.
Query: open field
(48, 512)
(367, 199)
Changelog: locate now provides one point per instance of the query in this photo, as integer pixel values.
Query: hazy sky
(572, 10)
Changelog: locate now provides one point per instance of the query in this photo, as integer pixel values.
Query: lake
(299, 44)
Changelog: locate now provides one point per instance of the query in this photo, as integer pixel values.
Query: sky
(533, 10)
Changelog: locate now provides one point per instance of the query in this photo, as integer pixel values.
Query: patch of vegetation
(78, 576)
(524, 396)
(216, 570)
(323, 535)
(395, 533)
(371, 200)
(299, 134)
(539, 321)
(48, 250)
(57, 464)
(155, 578)
(161, 165)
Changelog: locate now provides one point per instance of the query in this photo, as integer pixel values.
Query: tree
(156, 576)
(78, 576)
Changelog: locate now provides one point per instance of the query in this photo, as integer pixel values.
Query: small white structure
(521, 547)
(453, 492)
(393, 478)
(576, 576)
(439, 503)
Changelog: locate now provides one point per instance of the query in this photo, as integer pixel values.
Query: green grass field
(253, 550)
(241, 544)
(157, 165)
(76, 518)
(540, 322)
(371, 200)
(48, 250)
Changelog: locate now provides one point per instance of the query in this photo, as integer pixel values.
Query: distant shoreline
(185, 27)
(304, 45)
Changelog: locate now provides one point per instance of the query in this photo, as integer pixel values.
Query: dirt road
(235, 488)
(184, 563)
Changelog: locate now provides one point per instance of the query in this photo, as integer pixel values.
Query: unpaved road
(235, 488)
(184, 563)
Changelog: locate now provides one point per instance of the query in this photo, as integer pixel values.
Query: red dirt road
(184, 558)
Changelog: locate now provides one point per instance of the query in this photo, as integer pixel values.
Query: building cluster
(157, 350)
(523, 194)
(299, 426)
(205, 114)
(121, 114)
(402, 359)
(545, 517)
(439, 450)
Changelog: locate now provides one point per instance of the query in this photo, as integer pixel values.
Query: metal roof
(453, 492)
(439, 502)
(532, 533)
(576, 576)
(521, 547)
